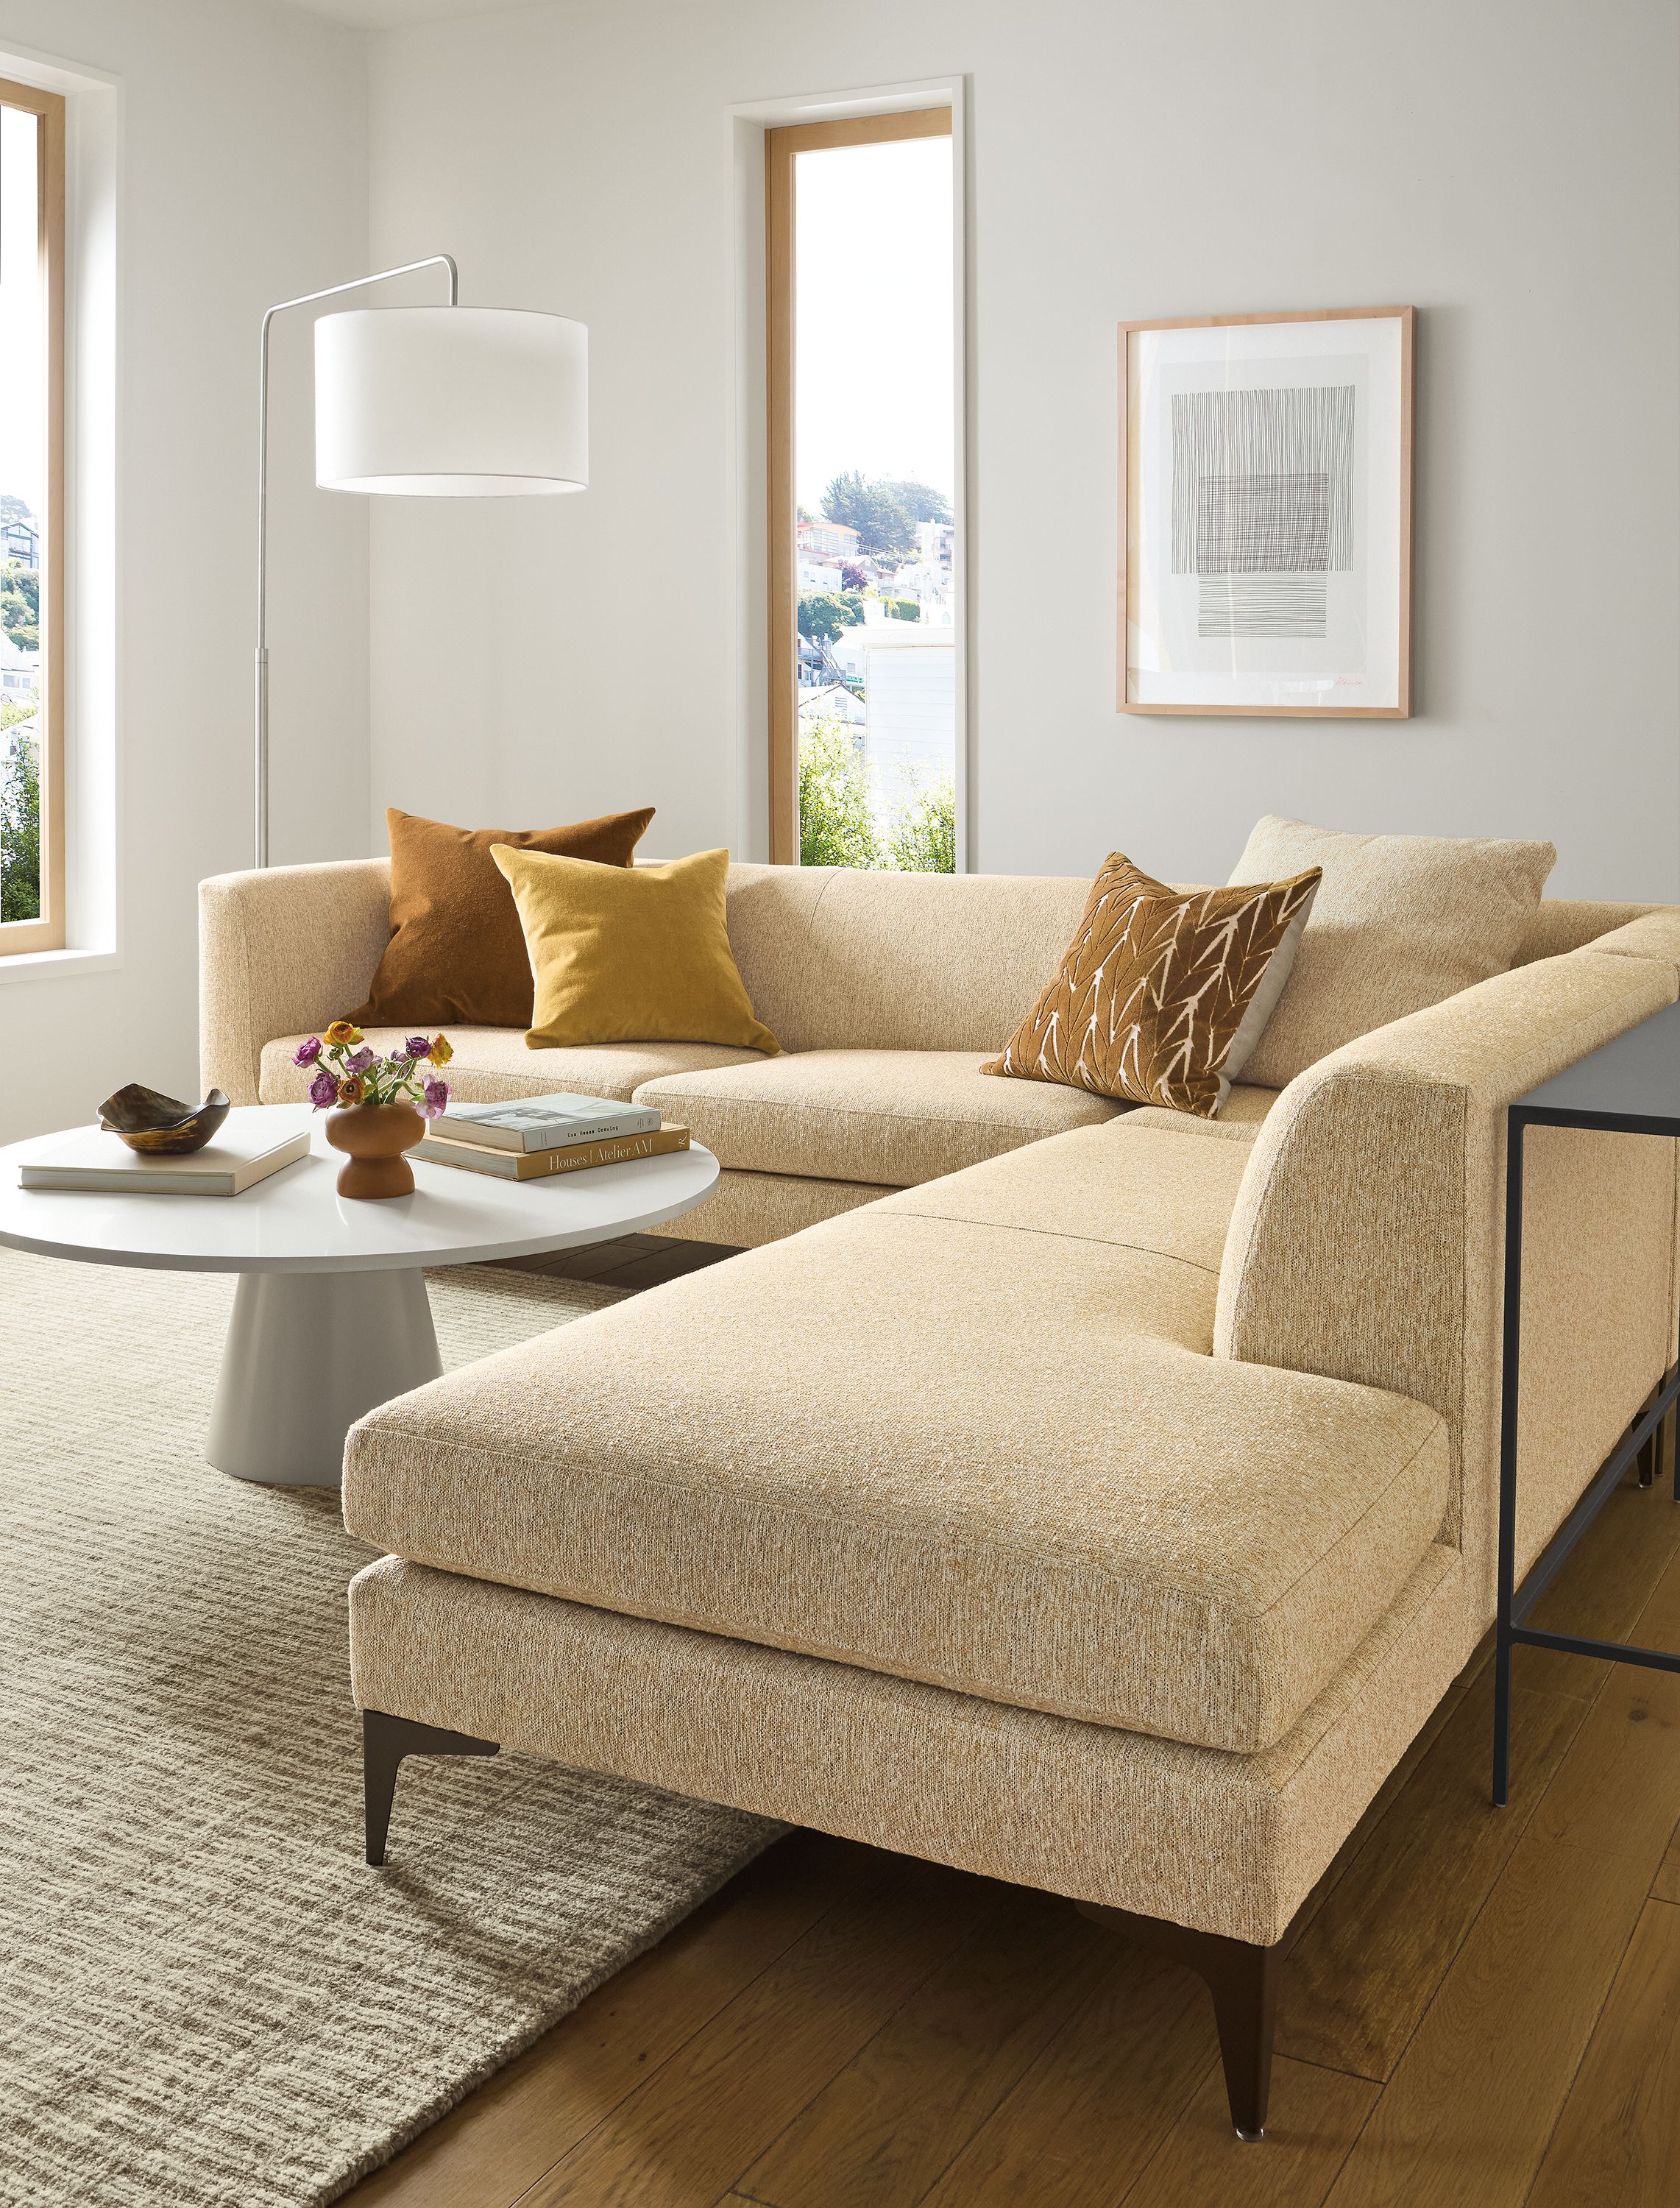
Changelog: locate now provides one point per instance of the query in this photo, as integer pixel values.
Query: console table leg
(1648, 1462)
(1508, 1385)
(1502, 1715)
(307, 1355)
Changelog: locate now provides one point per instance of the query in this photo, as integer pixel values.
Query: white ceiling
(382, 14)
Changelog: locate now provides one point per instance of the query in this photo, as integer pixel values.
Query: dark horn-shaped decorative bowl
(162, 1125)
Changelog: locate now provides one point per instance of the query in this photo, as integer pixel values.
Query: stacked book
(545, 1135)
(244, 1150)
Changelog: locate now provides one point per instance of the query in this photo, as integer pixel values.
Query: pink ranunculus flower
(323, 1090)
(307, 1052)
(435, 1101)
(359, 1060)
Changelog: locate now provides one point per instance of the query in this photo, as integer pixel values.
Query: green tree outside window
(922, 839)
(836, 822)
(882, 523)
(838, 826)
(824, 613)
(21, 837)
(20, 605)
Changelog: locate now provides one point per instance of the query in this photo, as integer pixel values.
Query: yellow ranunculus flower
(441, 1053)
(343, 1031)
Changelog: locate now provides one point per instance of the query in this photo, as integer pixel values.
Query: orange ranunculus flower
(352, 1089)
(441, 1053)
(343, 1031)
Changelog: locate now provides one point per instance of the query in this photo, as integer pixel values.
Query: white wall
(1508, 166)
(241, 151)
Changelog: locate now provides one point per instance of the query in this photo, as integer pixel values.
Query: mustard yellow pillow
(630, 954)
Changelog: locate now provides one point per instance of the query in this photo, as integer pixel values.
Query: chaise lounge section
(1107, 1514)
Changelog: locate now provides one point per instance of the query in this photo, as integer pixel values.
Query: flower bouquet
(380, 1105)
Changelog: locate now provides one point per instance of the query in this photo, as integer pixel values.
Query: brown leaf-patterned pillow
(1162, 992)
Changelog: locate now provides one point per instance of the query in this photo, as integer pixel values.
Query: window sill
(52, 965)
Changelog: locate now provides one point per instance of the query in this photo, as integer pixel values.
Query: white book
(244, 1151)
(546, 1123)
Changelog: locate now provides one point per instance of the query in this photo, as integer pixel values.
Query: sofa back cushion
(834, 959)
(1399, 922)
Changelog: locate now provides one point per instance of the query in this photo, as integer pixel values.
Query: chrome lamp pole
(306, 298)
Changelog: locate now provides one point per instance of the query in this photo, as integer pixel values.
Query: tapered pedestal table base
(331, 1317)
(307, 1355)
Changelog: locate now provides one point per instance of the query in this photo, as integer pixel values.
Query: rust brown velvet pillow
(1162, 992)
(457, 950)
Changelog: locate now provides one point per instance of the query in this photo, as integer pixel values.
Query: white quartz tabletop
(295, 1221)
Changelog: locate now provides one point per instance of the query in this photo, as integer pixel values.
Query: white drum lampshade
(452, 402)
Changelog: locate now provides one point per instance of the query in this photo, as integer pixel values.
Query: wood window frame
(48, 932)
(782, 147)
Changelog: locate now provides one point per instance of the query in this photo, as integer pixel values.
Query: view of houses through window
(22, 473)
(873, 449)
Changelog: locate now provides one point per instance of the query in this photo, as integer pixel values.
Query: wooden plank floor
(1482, 2011)
(634, 1261)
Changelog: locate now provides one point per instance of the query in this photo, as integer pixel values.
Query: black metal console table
(1631, 1087)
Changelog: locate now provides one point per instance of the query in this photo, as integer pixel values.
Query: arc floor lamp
(428, 402)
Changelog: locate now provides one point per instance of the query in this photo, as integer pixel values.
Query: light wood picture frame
(1265, 525)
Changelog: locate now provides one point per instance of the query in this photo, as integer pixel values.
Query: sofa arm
(1366, 1238)
(279, 952)
(1652, 935)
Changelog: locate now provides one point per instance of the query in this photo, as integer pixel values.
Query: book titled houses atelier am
(545, 1135)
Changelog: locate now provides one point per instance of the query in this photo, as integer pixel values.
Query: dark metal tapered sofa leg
(1243, 1985)
(385, 1742)
(1242, 1979)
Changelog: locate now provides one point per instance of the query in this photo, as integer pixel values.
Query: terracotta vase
(375, 1136)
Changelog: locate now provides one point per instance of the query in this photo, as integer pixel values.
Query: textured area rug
(208, 2000)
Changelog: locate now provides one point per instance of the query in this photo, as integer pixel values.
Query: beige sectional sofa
(1098, 1499)
(886, 991)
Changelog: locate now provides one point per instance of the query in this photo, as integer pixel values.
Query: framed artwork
(1266, 513)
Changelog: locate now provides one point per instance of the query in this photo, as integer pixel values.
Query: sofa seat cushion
(971, 1434)
(493, 1063)
(892, 1117)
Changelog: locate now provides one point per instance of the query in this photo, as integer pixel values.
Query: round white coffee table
(331, 1316)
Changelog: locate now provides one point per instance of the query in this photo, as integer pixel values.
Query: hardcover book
(546, 1123)
(539, 1165)
(243, 1153)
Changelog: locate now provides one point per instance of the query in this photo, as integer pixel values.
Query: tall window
(865, 619)
(32, 504)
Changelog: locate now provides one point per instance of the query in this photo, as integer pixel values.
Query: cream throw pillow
(1399, 922)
